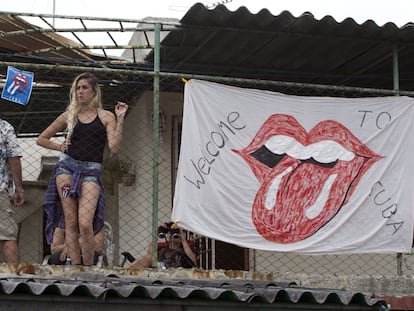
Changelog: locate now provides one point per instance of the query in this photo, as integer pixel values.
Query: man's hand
(18, 198)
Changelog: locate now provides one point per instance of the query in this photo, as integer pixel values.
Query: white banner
(316, 175)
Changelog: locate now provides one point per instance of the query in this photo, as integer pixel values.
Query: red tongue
(297, 191)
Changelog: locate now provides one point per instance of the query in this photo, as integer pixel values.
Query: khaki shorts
(8, 226)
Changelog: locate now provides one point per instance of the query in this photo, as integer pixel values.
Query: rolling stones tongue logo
(305, 177)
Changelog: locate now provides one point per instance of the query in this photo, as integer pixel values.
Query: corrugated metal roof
(22, 41)
(287, 48)
(98, 285)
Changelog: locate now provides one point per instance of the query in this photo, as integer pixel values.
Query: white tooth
(280, 143)
(329, 151)
(313, 211)
(272, 192)
(326, 151)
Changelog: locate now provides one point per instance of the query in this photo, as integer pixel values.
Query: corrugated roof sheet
(98, 285)
(22, 41)
(287, 48)
(185, 285)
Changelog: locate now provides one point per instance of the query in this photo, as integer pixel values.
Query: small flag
(18, 86)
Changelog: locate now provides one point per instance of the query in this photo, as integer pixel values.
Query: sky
(399, 12)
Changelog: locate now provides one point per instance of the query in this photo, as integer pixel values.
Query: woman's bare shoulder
(64, 114)
(106, 115)
(62, 118)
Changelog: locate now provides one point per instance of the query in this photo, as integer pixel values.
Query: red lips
(306, 178)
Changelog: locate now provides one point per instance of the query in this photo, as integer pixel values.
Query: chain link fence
(139, 181)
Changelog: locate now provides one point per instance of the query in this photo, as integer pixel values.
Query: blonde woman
(77, 181)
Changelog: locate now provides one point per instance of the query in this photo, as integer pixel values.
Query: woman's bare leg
(87, 207)
(70, 210)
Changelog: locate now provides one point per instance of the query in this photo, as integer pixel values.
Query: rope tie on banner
(184, 80)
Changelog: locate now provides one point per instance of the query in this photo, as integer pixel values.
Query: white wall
(136, 202)
(32, 154)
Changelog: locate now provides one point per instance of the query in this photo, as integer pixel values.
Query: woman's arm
(114, 126)
(144, 262)
(187, 249)
(58, 125)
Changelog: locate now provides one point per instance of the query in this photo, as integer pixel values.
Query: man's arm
(15, 165)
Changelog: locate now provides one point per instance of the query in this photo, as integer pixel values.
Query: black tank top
(88, 141)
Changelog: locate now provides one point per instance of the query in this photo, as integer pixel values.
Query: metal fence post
(155, 162)
(396, 87)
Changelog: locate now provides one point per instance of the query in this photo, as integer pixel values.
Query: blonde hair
(73, 107)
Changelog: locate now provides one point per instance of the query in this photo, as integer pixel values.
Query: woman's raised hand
(121, 109)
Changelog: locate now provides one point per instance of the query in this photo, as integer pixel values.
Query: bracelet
(19, 190)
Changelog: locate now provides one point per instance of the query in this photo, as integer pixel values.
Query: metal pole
(396, 77)
(54, 12)
(156, 137)
(396, 87)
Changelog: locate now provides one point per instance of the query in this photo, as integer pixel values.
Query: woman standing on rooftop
(77, 178)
